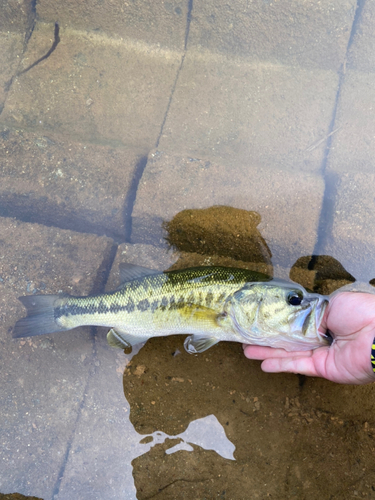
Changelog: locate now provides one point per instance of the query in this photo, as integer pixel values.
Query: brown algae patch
(219, 230)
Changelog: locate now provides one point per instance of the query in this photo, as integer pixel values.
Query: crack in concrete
(98, 287)
(61, 472)
(27, 38)
(187, 31)
(56, 41)
(29, 31)
(326, 214)
(31, 22)
(131, 197)
(188, 21)
(104, 270)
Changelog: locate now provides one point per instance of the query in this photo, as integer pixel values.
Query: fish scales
(209, 303)
(153, 295)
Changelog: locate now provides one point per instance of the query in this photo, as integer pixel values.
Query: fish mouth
(319, 314)
(312, 321)
(306, 323)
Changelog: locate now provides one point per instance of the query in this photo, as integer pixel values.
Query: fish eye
(295, 298)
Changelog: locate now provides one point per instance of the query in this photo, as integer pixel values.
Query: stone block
(92, 88)
(361, 55)
(310, 34)
(43, 379)
(353, 144)
(236, 112)
(104, 444)
(157, 22)
(11, 46)
(289, 216)
(84, 187)
(350, 178)
(350, 234)
(142, 255)
(16, 15)
(16, 20)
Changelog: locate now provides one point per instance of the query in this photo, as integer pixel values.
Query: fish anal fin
(123, 340)
(129, 272)
(114, 340)
(194, 344)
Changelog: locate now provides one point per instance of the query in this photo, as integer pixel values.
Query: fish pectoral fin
(129, 272)
(123, 340)
(194, 344)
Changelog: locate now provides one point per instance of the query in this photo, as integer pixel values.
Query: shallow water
(173, 135)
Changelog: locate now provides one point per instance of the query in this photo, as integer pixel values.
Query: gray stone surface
(11, 46)
(361, 55)
(351, 238)
(353, 145)
(16, 19)
(155, 22)
(239, 112)
(310, 34)
(16, 15)
(53, 181)
(43, 379)
(104, 444)
(350, 178)
(93, 88)
(173, 183)
(141, 255)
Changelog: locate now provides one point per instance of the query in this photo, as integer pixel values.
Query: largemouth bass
(211, 304)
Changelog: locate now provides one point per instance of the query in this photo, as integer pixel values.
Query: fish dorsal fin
(129, 272)
(194, 344)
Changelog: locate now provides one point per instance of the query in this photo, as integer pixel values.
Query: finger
(302, 365)
(349, 312)
(260, 352)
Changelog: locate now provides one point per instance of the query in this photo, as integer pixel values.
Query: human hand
(350, 317)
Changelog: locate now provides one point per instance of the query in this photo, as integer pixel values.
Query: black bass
(209, 303)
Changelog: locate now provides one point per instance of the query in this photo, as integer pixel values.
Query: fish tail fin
(40, 317)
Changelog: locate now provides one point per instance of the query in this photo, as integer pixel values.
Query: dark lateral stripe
(100, 308)
(209, 298)
(143, 305)
(97, 305)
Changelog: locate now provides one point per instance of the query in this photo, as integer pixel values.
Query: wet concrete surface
(68, 92)
(273, 112)
(314, 35)
(172, 183)
(67, 184)
(151, 134)
(43, 379)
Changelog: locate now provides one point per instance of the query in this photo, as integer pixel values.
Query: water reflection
(207, 433)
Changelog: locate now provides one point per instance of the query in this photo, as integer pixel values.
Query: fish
(210, 304)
